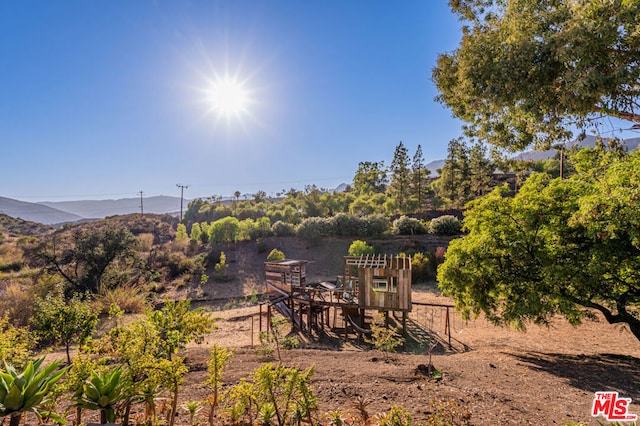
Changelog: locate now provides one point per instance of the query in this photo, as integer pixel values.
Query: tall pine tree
(419, 179)
(480, 171)
(453, 185)
(400, 181)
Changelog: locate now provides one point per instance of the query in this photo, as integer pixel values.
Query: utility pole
(182, 187)
(141, 205)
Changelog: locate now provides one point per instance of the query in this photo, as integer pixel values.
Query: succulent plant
(103, 391)
(23, 391)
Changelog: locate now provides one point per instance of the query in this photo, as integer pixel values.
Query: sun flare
(229, 97)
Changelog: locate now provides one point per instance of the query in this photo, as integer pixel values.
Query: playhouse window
(388, 284)
(380, 284)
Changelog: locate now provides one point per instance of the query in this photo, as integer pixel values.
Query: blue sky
(103, 99)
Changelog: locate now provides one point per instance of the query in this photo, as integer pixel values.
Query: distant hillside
(589, 141)
(434, 166)
(35, 212)
(98, 209)
(16, 227)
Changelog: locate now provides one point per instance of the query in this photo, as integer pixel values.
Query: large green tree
(558, 246)
(525, 70)
(90, 255)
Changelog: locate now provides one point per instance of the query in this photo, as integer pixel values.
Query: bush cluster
(445, 225)
(409, 226)
(343, 225)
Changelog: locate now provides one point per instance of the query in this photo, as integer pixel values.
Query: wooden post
(447, 327)
(260, 326)
(404, 324)
(252, 318)
(291, 310)
(268, 319)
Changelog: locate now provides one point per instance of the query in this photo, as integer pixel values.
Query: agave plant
(24, 391)
(103, 391)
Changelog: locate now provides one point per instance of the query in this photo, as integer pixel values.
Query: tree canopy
(525, 71)
(557, 246)
(91, 255)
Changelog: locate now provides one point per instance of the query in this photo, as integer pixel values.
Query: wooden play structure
(368, 283)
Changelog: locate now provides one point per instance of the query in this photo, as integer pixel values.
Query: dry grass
(129, 298)
(17, 303)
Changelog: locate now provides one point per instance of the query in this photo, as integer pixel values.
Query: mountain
(35, 212)
(434, 166)
(589, 141)
(98, 209)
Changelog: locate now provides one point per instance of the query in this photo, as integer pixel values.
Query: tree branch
(629, 116)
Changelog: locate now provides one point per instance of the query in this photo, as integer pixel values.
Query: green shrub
(423, 267)
(398, 416)
(445, 225)
(180, 264)
(314, 228)
(103, 391)
(376, 225)
(64, 321)
(275, 255)
(346, 225)
(408, 226)
(448, 413)
(275, 394)
(359, 248)
(16, 343)
(283, 229)
(181, 233)
(385, 339)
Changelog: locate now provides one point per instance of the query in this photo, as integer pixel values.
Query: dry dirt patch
(547, 375)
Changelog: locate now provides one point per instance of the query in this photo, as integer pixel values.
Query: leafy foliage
(218, 359)
(556, 247)
(525, 70)
(275, 254)
(384, 338)
(370, 177)
(178, 325)
(64, 321)
(445, 225)
(16, 343)
(181, 233)
(360, 248)
(314, 228)
(275, 395)
(397, 416)
(92, 255)
(283, 229)
(405, 225)
(422, 267)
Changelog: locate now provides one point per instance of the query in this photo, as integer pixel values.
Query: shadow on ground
(592, 373)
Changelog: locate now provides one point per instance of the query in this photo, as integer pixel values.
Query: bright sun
(228, 97)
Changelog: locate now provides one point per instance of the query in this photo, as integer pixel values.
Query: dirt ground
(546, 375)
